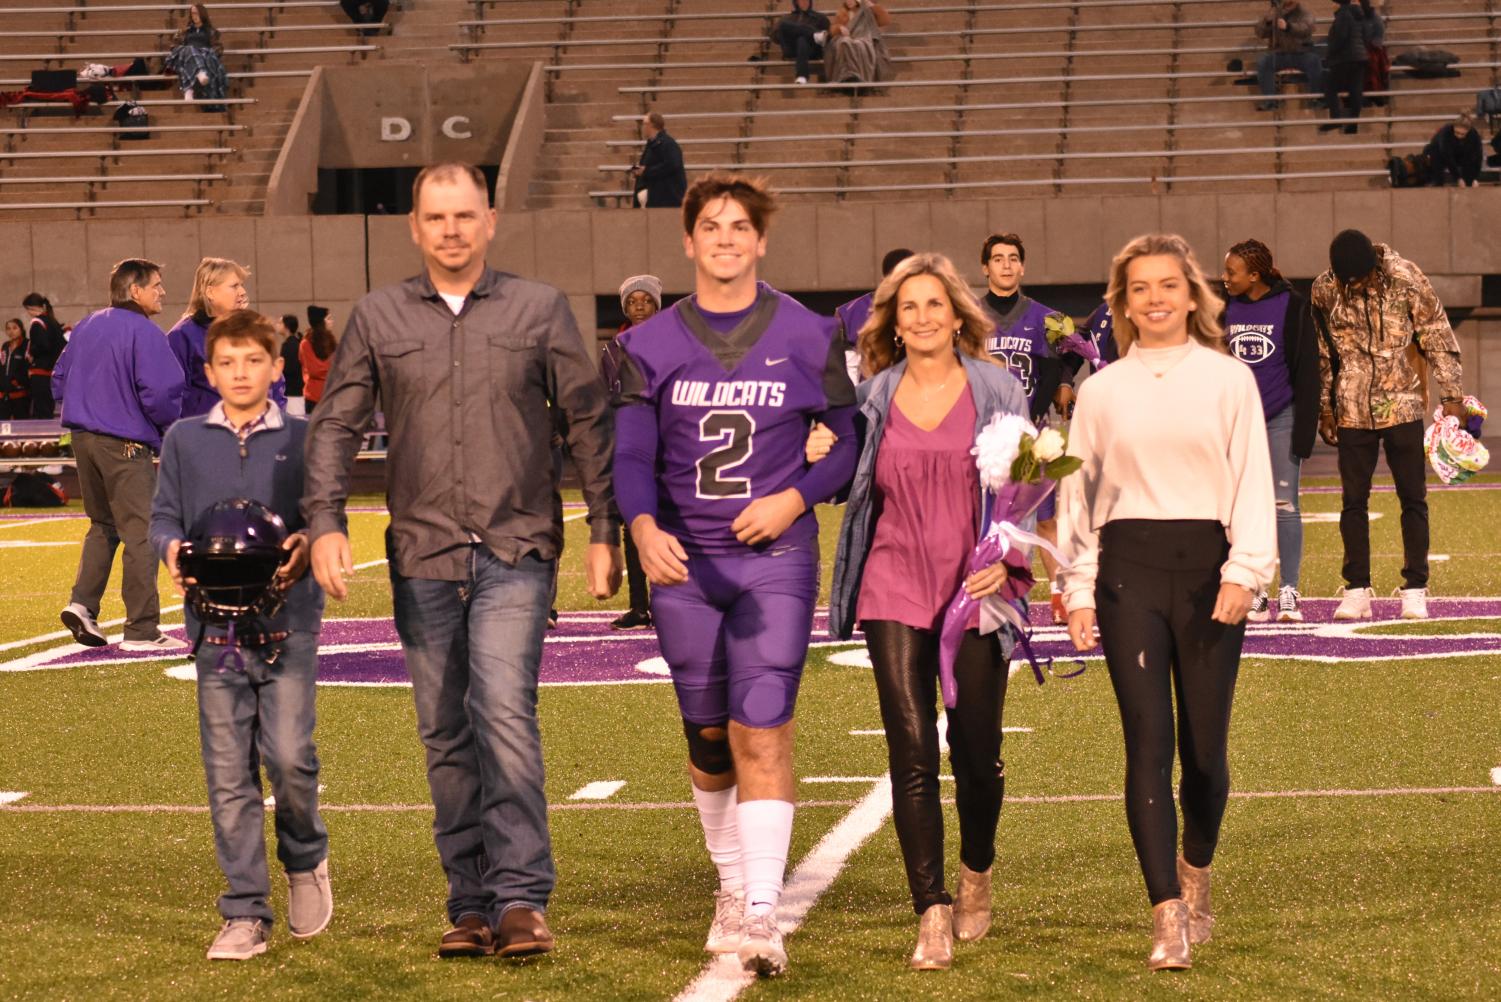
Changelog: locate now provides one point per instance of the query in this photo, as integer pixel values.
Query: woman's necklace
(928, 394)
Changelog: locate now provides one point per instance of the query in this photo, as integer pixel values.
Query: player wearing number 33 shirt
(716, 398)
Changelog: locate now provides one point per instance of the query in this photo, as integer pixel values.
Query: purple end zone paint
(585, 649)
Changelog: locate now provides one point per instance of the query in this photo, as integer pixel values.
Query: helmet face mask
(232, 559)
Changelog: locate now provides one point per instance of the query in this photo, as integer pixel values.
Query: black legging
(1157, 585)
(635, 577)
(906, 671)
(1348, 78)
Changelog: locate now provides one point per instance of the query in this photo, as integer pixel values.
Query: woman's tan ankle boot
(935, 939)
(972, 904)
(1170, 937)
(1195, 883)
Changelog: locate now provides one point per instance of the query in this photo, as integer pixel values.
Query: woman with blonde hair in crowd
(1170, 530)
(218, 290)
(856, 52)
(909, 527)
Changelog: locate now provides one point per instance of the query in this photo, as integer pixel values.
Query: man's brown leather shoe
(523, 931)
(471, 936)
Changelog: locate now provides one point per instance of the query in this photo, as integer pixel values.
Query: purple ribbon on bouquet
(1000, 541)
(1081, 346)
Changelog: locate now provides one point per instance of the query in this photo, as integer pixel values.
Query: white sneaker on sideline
(1289, 609)
(761, 948)
(240, 939)
(1260, 609)
(82, 624)
(161, 643)
(724, 931)
(1414, 603)
(820, 37)
(1355, 604)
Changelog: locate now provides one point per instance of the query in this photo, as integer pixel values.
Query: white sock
(187, 95)
(765, 832)
(716, 812)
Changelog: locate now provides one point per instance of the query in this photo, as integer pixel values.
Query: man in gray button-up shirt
(467, 363)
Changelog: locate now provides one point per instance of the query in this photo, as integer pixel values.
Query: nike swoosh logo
(776, 361)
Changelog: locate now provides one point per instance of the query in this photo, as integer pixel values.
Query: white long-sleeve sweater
(1189, 443)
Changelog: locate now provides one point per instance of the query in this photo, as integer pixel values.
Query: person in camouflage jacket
(1370, 306)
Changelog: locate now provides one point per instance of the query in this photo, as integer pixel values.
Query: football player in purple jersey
(716, 397)
(1020, 342)
(853, 314)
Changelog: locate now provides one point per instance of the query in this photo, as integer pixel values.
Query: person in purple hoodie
(120, 388)
(1269, 327)
(218, 290)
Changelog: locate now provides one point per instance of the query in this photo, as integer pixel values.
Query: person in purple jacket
(716, 397)
(218, 290)
(120, 388)
(1269, 327)
(853, 314)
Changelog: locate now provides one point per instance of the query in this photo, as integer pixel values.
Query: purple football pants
(735, 634)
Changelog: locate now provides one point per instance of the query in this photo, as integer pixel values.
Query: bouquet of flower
(1019, 467)
(1453, 447)
(1062, 337)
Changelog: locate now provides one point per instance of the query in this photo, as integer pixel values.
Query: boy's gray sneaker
(81, 623)
(310, 901)
(240, 939)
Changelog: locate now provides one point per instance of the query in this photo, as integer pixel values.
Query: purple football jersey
(733, 410)
(852, 316)
(1020, 342)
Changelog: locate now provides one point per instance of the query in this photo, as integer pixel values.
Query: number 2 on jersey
(733, 429)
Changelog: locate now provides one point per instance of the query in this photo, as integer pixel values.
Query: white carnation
(997, 446)
(1049, 446)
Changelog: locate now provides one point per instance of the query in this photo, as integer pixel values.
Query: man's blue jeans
(473, 648)
(263, 716)
(1285, 471)
(1307, 61)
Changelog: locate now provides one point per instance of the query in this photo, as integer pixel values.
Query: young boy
(715, 399)
(247, 447)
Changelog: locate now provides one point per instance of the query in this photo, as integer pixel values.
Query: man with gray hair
(466, 362)
(120, 387)
(661, 181)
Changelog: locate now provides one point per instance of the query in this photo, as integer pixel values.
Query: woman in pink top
(909, 526)
(1170, 530)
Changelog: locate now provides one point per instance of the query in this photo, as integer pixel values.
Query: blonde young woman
(900, 561)
(1170, 530)
(218, 290)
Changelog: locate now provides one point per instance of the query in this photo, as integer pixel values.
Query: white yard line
(602, 789)
(32, 521)
(722, 979)
(1496, 776)
(11, 796)
(60, 634)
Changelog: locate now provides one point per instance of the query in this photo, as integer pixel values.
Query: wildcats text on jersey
(730, 393)
(1007, 342)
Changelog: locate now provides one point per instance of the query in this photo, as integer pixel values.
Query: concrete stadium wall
(332, 260)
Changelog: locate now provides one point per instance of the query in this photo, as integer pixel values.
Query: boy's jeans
(261, 717)
(473, 649)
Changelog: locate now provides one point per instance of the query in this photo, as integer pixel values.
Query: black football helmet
(232, 558)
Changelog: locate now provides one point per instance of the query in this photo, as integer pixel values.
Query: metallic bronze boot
(935, 940)
(1195, 883)
(1169, 937)
(972, 904)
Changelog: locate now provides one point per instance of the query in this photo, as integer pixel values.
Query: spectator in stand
(44, 343)
(120, 387)
(15, 381)
(640, 298)
(366, 11)
(1287, 29)
(197, 57)
(291, 360)
(316, 353)
(801, 36)
(1371, 304)
(1346, 57)
(1455, 152)
(661, 181)
(856, 52)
